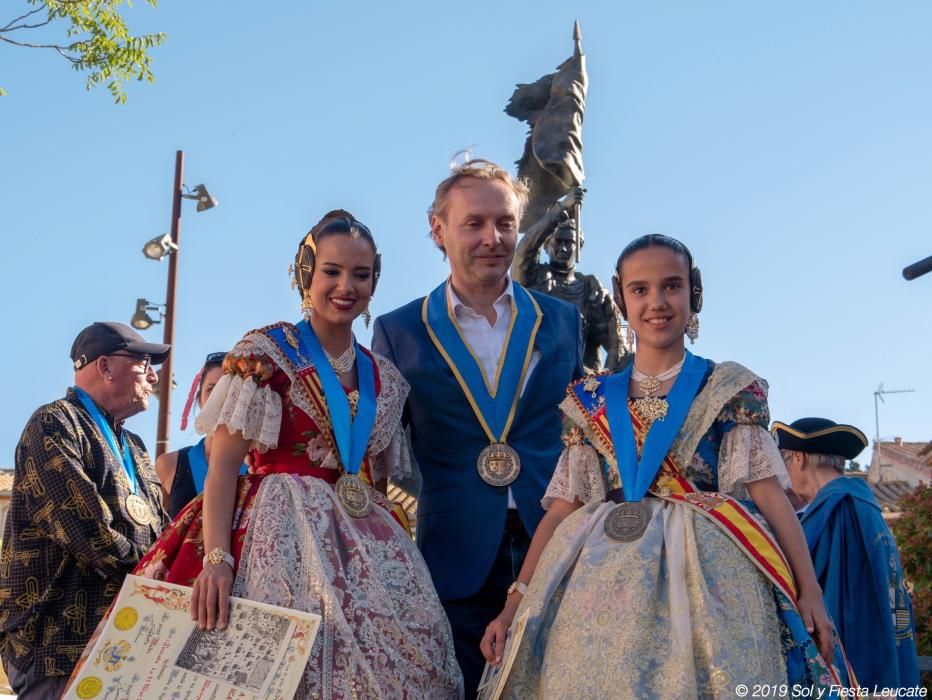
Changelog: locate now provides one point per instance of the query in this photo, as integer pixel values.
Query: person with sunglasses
(310, 527)
(86, 507)
(182, 472)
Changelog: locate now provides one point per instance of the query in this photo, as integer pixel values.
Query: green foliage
(913, 531)
(98, 41)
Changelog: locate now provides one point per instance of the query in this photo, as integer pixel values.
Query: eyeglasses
(145, 359)
(215, 358)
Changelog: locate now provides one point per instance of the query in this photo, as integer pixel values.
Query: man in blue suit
(488, 362)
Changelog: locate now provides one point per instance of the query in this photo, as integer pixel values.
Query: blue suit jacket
(460, 518)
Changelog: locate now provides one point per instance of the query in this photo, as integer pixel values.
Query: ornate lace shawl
(245, 402)
(747, 452)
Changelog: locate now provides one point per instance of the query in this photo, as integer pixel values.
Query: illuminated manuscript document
(150, 648)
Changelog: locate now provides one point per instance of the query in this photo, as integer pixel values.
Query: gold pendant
(651, 408)
(650, 385)
(498, 464)
(354, 495)
(627, 522)
(138, 509)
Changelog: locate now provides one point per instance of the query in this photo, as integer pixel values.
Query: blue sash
(125, 455)
(637, 475)
(350, 434)
(197, 460)
(494, 404)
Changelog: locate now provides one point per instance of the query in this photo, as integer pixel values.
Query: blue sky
(788, 144)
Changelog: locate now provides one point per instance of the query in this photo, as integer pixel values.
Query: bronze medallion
(354, 495)
(627, 522)
(138, 509)
(498, 464)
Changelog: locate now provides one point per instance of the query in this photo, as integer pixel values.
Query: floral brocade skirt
(680, 612)
(383, 634)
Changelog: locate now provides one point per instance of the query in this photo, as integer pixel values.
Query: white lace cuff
(242, 406)
(748, 453)
(395, 460)
(578, 475)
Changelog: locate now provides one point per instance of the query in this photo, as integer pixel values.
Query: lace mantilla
(244, 407)
(748, 453)
(578, 475)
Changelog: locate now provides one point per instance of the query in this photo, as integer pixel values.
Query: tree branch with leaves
(96, 40)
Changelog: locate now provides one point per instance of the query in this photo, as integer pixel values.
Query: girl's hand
(493, 641)
(210, 601)
(817, 623)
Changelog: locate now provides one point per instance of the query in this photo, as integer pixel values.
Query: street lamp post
(156, 249)
(165, 395)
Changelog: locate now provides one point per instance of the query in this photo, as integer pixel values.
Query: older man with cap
(853, 550)
(86, 506)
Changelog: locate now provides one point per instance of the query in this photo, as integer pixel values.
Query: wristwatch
(517, 586)
(218, 556)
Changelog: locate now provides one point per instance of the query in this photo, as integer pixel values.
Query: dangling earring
(306, 306)
(692, 327)
(629, 336)
(367, 317)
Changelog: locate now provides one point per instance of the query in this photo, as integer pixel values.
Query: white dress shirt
(487, 340)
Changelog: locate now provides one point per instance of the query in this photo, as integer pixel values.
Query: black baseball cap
(107, 337)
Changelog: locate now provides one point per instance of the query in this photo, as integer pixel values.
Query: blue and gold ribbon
(494, 403)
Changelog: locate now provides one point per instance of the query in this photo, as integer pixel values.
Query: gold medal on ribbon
(138, 509)
(499, 464)
(494, 401)
(627, 522)
(354, 495)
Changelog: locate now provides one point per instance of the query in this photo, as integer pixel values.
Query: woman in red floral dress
(283, 534)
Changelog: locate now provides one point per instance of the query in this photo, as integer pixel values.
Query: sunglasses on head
(215, 358)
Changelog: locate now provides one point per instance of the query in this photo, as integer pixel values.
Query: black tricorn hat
(819, 436)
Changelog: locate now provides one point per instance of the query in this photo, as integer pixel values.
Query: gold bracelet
(517, 586)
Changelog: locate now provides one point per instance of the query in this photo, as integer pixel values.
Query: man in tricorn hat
(853, 550)
(86, 506)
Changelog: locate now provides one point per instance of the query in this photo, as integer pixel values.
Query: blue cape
(858, 566)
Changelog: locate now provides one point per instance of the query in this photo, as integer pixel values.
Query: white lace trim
(748, 453)
(578, 475)
(394, 461)
(243, 407)
(392, 394)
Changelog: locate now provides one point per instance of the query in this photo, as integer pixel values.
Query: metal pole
(165, 394)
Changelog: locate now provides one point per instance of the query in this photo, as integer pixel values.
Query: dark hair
(214, 359)
(658, 240)
(338, 222)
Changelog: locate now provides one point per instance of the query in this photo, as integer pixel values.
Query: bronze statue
(559, 235)
(554, 107)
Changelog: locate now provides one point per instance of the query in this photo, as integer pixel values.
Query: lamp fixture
(141, 320)
(159, 247)
(204, 199)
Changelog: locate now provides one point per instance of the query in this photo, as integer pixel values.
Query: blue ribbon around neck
(638, 474)
(125, 455)
(494, 402)
(350, 434)
(197, 460)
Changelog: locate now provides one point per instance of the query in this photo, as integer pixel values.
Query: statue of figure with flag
(554, 107)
